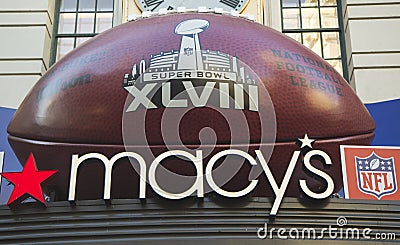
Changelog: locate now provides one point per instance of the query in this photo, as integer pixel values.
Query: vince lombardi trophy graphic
(225, 74)
(190, 52)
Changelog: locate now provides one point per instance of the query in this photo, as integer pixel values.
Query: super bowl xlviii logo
(191, 75)
(376, 175)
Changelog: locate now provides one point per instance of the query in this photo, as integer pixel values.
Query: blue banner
(387, 119)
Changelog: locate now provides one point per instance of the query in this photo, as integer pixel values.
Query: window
(316, 24)
(78, 20)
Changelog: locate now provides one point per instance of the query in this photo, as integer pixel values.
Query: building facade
(358, 37)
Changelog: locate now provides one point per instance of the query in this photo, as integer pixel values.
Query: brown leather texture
(77, 107)
(92, 112)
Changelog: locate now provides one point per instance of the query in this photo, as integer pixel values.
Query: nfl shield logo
(188, 51)
(376, 175)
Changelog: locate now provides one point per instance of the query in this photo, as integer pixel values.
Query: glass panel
(103, 21)
(87, 5)
(290, 3)
(329, 18)
(80, 40)
(85, 23)
(310, 18)
(328, 2)
(337, 64)
(64, 45)
(291, 19)
(308, 3)
(295, 36)
(68, 6)
(331, 44)
(105, 5)
(67, 23)
(312, 40)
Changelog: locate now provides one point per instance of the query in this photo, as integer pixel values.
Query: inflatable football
(189, 81)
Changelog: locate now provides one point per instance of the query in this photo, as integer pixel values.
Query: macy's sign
(198, 185)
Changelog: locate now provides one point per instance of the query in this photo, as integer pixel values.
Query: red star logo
(28, 182)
